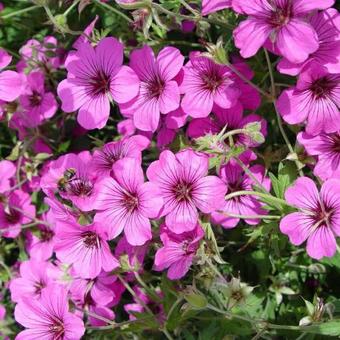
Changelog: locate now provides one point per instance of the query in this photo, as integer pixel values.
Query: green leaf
(331, 328)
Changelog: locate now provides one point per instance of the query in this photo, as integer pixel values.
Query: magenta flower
(132, 147)
(315, 99)
(85, 247)
(34, 277)
(211, 6)
(327, 26)
(282, 22)
(230, 119)
(206, 83)
(11, 82)
(126, 203)
(7, 171)
(159, 92)
(186, 188)
(37, 104)
(41, 247)
(318, 218)
(11, 219)
(236, 180)
(73, 178)
(96, 76)
(49, 317)
(178, 251)
(327, 150)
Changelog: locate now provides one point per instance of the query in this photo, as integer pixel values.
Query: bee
(68, 176)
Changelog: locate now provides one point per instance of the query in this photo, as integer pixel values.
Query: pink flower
(231, 118)
(186, 188)
(85, 247)
(315, 99)
(318, 216)
(132, 147)
(126, 203)
(159, 92)
(104, 290)
(12, 219)
(96, 76)
(35, 276)
(282, 22)
(326, 148)
(37, 104)
(206, 83)
(11, 82)
(49, 317)
(7, 171)
(211, 6)
(327, 26)
(87, 33)
(73, 178)
(41, 247)
(236, 180)
(178, 251)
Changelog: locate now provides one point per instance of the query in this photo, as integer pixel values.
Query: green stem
(259, 194)
(69, 9)
(21, 11)
(131, 291)
(2, 264)
(149, 291)
(278, 117)
(163, 10)
(250, 217)
(176, 303)
(188, 7)
(245, 79)
(114, 10)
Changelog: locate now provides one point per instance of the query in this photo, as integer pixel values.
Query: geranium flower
(49, 317)
(72, 177)
(280, 22)
(37, 104)
(159, 92)
(7, 171)
(126, 203)
(85, 247)
(14, 212)
(105, 157)
(229, 119)
(315, 99)
(96, 76)
(11, 83)
(327, 26)
(178, 251)
(327, 149)
(246, 205)
(318, 216)
(34, 277)
(186, 188)
(205, 83)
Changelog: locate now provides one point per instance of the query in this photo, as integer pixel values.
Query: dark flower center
(100, 83)
(155, 87)
(90, 239)
(323, 215)
(46, 235)
(281, 15)
(12, 216)
(79, 187)
(39, 286)
(35, 99)
(57, 328)
(130, 201)
(335, 140)
(212, 80)
(182, 191)
(322, 87)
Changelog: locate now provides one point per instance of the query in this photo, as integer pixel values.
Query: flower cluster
(185, 159)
